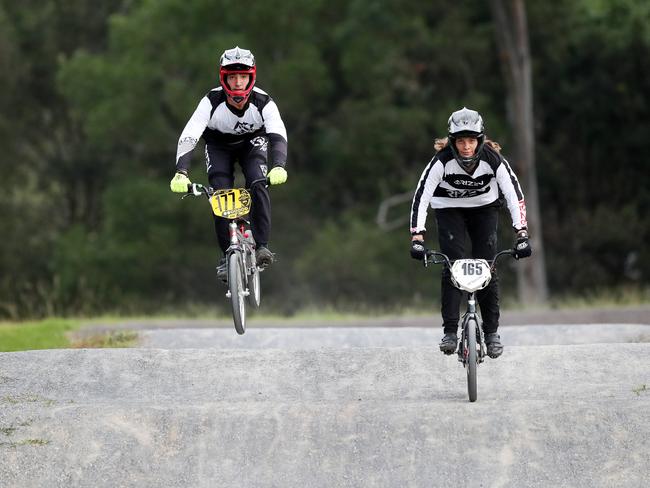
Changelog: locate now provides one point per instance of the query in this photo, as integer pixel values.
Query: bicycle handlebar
(506, 252)
(448, 262)
(435, 254)
(197, 189)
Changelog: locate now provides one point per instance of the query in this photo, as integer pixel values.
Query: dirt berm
(551, 416)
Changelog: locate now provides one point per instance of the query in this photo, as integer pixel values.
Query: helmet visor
(467, 122)
(237, 56)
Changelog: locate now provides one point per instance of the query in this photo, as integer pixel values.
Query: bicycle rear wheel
(255, 293)
(471, 364)
(253, 280)
(236, 286)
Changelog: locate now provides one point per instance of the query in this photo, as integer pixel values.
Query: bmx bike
(242, 271)
(470, 276)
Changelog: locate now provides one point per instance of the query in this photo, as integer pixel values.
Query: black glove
(418, 250)
(522, 248)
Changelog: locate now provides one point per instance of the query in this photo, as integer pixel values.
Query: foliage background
(93, 97)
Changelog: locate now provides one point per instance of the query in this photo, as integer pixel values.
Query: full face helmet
(237, 61)
(466, 123)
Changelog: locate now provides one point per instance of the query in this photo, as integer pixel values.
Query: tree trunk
(512, 41)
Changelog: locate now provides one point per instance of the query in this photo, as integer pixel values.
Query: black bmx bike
(242, 271)
(470, 276)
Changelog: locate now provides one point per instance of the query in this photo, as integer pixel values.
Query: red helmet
(237, 61)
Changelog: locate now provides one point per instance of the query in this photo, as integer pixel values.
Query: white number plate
(471, 274)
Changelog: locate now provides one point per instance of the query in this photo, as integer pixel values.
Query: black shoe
(494, 346)
(222, 273)
(264, 257)
(449, 343)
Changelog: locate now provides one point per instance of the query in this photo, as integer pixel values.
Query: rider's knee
(259, 187)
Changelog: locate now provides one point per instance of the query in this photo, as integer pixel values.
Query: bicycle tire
(254, 290)
(472, 363)
(236, 286)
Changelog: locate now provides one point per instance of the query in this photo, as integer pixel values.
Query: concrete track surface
(547, 415)
(352, 337)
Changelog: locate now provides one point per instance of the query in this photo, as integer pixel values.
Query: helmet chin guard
(466, 123)
(237, 61)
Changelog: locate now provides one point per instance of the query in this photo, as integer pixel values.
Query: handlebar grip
(195, 189)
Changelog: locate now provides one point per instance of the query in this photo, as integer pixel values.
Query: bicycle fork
(463, 353)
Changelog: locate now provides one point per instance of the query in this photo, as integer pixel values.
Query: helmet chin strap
(238, 98)
(470, 167)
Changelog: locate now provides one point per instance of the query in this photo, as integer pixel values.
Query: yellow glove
(179, 183)
(277, 175)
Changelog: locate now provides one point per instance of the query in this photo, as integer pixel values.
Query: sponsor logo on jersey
(522, 213)
(466, 193)
(187, 141)
(260, 142)
(471, 183)
(243, 127)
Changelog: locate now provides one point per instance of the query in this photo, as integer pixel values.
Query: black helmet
(466, 123)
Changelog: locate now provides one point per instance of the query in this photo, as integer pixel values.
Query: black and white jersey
(445, 184)
(220, 123)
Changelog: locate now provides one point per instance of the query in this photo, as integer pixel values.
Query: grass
(26, 442)
(119, 338)
(34, 442)
(42, 334)
(606, 298)
(16, 400)
(621, 297)
(55, 334)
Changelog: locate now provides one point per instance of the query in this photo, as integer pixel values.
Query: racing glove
(179, 183)
(522, 247)
(277, 175)
(418, 250)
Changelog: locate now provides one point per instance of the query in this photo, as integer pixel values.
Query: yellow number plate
(231, 204)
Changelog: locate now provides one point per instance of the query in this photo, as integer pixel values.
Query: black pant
(251, 154)
(454, 225)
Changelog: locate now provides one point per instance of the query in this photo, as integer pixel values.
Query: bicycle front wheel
(471, 364)
(236, 286)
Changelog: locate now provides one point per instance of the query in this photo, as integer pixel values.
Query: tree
(514, 53)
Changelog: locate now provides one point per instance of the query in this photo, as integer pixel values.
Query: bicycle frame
(241, 242)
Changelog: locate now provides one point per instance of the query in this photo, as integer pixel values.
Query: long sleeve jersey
(220, 123)
(445, 184)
